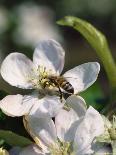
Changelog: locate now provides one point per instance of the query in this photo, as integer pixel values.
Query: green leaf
(2, 115)
(97, 40)
(1, 142)
(14, 139)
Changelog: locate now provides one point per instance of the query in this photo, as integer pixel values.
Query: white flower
(48, 60)
(35, 150)
(73, 130)
(32, 150)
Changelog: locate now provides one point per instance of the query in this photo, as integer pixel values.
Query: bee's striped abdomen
(67, 87)
(64, 84)
(60, 81)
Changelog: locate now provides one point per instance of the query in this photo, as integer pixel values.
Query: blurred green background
(24, 22)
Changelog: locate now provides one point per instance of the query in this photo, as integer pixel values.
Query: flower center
(42, 83)
(40, 79)
(61, 148)
(112, 130)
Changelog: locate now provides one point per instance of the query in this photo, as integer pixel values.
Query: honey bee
(65, 88)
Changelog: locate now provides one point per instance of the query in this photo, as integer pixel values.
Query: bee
(65, 88)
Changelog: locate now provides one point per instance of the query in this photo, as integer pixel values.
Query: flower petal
(65, 124)
(47, 106)
(83, 76)
(89, 127)
(78, 104)
(15, 105)
(16, 69)
(43, 128)
(50, 55)
(32, 150)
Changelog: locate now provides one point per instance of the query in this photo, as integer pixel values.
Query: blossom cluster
(57, 119)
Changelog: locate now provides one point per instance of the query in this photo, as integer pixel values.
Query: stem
(98, 41)
(100, 45)
(108, 62)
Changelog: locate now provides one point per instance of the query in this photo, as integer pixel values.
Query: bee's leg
(66, 95)
(46, 84)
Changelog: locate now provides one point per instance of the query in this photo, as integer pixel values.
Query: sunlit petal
(78, 104)
(92, 125)
(43, 128)
(50, 55)
(83, 76)
(32, 150)
(16, 70)
(65, 123)
(15, 105)
(47, 106)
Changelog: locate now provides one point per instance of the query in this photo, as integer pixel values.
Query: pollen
(112, 130)
(61, 148)
(40, 78)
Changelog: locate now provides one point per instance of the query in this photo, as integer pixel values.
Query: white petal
(43, 128)
(92, 125)
(32, 150)
(49, 54)
(15, 105)
(65, 124)
(47, 106)
(83, 76)
(78, 104)
(16, 70)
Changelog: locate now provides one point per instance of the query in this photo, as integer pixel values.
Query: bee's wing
(70, 77)
(75, 82)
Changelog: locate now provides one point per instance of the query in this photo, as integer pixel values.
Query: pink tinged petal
(16, 69)
(32, 150)
(48, 106)
(89, 127)
(78, 104)
(44, 129)
(66, 126)
(15, 105)
(83, 76)
(49, 54)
